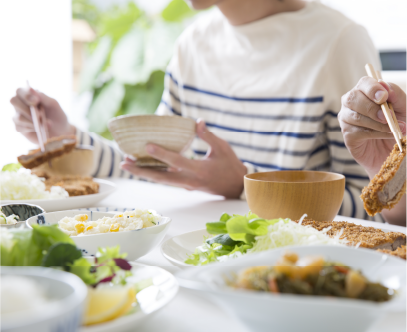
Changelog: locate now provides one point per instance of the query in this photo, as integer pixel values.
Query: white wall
(35, 45)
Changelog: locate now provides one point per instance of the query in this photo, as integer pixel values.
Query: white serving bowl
(285, 312)
(67, 293)
(135, 243)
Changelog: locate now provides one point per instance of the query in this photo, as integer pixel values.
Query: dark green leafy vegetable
(61, 254)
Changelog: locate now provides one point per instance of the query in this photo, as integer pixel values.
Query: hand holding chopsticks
(387, 111)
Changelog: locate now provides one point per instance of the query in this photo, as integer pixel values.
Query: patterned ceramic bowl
(133, 132)
(23, 211)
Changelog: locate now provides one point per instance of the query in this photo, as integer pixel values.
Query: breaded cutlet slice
(368, 237)
(74, 185)
(389, 185)
(400, 252)
(54, 147)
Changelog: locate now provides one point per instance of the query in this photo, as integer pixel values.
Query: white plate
(289, 312)
(136, 243)
(177, 249)
(163, 289)
(50, 205)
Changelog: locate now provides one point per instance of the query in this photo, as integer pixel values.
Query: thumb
(207, 136)
(398, 99)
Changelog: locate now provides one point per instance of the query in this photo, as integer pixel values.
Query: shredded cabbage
(23, 185)
(289, 233)
(239, 235)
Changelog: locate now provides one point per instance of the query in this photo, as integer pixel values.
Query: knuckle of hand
(355, 116)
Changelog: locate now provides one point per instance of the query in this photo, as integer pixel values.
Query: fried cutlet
(366, 237)
(400, 252)
(75, 186)
(54, 147)
(389, 185)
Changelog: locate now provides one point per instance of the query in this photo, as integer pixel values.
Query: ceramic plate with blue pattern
(136, 243)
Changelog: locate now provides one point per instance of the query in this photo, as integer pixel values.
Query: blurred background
(103, 58)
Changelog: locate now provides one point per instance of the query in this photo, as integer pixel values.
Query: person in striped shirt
(264, 80)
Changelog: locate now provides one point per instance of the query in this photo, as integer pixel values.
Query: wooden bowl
(133, 132)
(80, 161)
(290, 194)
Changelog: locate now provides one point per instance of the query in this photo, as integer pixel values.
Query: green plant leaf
(176, 11)
(105, 105)
(142, 51)
(118, 20)
(61, 254)
(143, 98)
(94, 64)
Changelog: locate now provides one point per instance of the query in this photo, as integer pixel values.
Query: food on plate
(10, 220)
(121, 222)
(54, 147)
(21, 294)
(389, 185)
(75, 185)
(311, 275)
(107, 302)
(400, 252)
(238, 235)
(366, 237)
(108, 274)
(21, 185)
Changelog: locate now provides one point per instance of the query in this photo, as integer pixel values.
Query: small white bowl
(263, 312)
(66, 292)
(135, 243)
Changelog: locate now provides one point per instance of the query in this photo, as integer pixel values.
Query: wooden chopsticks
(387, 111)
(40, 125)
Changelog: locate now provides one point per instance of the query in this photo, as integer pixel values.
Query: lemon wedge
(108, 302)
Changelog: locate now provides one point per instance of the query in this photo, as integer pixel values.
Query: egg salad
(121, 222)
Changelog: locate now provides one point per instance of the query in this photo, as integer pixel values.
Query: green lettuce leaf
(11, 167)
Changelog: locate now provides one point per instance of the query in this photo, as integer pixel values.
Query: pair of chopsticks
(387, 109)
(40, 124)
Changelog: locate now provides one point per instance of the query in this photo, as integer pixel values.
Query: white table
(191, 210)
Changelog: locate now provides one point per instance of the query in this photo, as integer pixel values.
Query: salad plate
(290, 312)
(177, 249)
(159, 288)
(105, 189)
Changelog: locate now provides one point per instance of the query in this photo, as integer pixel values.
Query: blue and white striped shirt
(271, 89)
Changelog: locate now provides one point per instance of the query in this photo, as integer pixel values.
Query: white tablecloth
(191, 210)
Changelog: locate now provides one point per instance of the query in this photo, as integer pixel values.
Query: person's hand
(57, 121)
(219, 173)
(365, 130)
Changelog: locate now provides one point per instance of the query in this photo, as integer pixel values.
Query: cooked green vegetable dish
(311, 276)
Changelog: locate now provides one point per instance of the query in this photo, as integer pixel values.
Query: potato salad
(121, 222)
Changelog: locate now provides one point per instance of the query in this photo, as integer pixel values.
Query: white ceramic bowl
(64, 314)
(133, 132)
(135, 243)
(285, 312)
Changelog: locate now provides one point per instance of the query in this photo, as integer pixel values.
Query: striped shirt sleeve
(107, 156)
